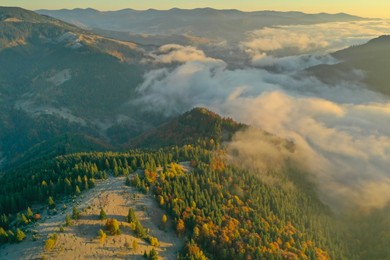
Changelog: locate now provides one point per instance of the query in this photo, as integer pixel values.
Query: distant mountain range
(202, 22)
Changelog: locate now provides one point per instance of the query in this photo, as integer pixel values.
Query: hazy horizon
(359, 8)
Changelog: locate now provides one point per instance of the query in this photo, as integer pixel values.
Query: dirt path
(80, 240)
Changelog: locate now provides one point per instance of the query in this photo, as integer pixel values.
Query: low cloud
(319, 38)
(341, 131)
(174, 53)
(292, 63)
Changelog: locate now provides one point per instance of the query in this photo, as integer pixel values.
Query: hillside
(215, 207)
(373, 58)
(221, 210)
(56, 78)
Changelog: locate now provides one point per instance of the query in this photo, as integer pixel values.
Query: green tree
(77, 190)
(3, 236)
(19, 236)
(102, 214)
(30, 214)
(153, 255)
(68, 221)
(22, 219)
(75, 213)
(51, 203)
(139, 229)
(131, 216)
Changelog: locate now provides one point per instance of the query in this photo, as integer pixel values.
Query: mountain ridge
(56, 77)
(211, 23)
(371, 58)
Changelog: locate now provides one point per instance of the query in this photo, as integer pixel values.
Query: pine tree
(19, 236)
(102, 215)
(75, 213)
(30, 214)
(131, 216)
(77, 190)
(68, 221)
(153, 255)
(51, 203)
(3, 236)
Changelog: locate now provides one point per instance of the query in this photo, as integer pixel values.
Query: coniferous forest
(220, 209)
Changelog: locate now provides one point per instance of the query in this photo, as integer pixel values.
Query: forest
(221, 210)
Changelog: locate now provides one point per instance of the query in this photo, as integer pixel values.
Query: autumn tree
(135, 245)
(180, 227)
(164, 220)
(112, 226)
(102, 236)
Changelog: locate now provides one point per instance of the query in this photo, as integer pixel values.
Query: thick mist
(341, 131)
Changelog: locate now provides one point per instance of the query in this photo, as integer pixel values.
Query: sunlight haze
(364, 8)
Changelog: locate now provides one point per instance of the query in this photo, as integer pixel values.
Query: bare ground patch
(80, 241)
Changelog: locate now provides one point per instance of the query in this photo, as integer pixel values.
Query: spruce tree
(51, 203)
(131, 216)
(75, 213)
(102, 215)
(19, 236)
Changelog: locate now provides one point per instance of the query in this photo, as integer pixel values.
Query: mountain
(56, 78)
(201, 22)
(197, 125)
(217, 209)
(372, 58)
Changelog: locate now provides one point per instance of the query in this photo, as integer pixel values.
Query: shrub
(153, 241)
(51, 242)
(112, 226)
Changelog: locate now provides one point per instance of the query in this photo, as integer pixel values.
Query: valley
(193, 134)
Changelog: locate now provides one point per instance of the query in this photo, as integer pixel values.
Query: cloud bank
(341, 131)
(174, 53)
(318, 38)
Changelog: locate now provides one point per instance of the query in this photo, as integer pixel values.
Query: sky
(365, 8)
